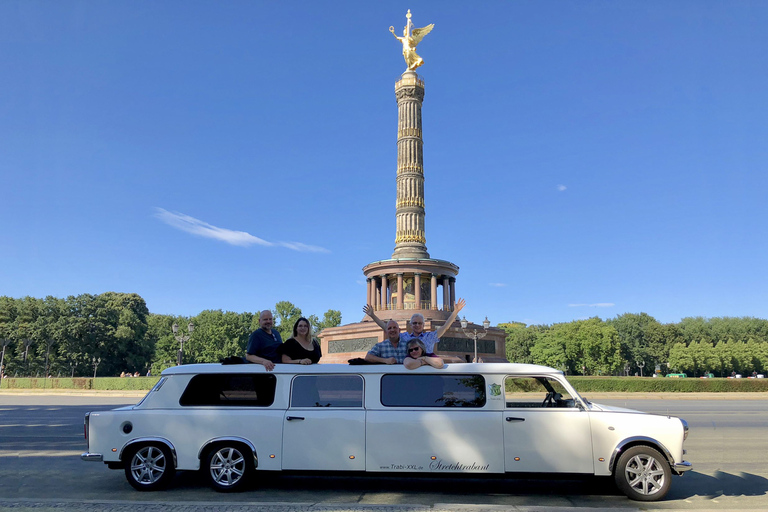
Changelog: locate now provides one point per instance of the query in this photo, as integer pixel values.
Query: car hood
(610, 408)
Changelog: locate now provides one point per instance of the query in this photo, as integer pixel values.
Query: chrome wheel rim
(645, 474)
(227, 467)
(148, 465)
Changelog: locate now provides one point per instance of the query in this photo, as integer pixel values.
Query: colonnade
(405, 290)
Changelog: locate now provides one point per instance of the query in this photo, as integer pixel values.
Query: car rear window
(433, 391)
(230, 389)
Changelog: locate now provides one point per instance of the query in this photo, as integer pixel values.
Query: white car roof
(479, 368)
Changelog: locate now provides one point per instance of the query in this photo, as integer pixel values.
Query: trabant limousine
(229, 421)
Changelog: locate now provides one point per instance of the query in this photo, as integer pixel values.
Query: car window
(433, 390)
(327, 391)
(230, 390)
(536, 392)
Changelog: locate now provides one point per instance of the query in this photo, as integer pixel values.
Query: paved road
(41, 438)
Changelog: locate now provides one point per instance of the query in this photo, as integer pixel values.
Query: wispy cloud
(561, 188)
(595, 305)
(497, 285)
(198, 227)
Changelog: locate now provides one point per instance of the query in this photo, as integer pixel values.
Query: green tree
(589, 347)
(636, 332)
(680, 359)
(286, 314)
(520, 340)
(331, 318)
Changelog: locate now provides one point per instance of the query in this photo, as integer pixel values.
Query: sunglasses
(414, 349)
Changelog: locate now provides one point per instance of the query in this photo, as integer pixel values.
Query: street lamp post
(474, 334)
(182, 338)
(641, 365)
(95, 362)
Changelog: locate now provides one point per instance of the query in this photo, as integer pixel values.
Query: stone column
(368, 294)
(400, 292)
(433, 298)
(376, 295)
(453, 293)
(417, 289)
(410, 235)
(384, 298)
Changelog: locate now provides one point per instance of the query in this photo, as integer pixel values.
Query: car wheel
(149, 467)
(228, 467)
(643, 474)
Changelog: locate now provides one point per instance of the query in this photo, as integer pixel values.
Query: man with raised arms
(391, 350)
(429, 338)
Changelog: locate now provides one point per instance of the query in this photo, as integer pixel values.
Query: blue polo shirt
(264, 344)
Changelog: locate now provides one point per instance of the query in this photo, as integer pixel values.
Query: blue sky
(582, 158)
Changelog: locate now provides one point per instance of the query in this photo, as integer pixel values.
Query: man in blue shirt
(391, 350)
(263, 343)
(429, 338)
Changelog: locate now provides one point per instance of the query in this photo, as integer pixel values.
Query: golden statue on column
(412, 37)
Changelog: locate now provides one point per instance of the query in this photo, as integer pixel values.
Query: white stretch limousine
(229, 420)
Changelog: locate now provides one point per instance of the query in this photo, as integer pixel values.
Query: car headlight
(685, 428)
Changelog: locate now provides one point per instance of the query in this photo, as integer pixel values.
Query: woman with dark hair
(302, 348)
(418, 356)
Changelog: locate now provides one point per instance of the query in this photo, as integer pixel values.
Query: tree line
(111, 333)
(637, 343)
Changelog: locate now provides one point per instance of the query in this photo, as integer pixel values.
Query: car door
(434, 422)
(324, 426)
(544, 432)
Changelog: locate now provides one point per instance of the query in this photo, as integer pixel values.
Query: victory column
(410, 281)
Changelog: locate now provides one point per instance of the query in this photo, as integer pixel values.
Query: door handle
(510, 419)
(291, 418)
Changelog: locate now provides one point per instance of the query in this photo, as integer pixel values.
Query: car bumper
(681, 467)
(92, 457)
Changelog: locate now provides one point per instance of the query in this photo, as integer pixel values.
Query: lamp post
(641, 365)
(182, 338)
(474, 334)
(5, 343)
(95, 362)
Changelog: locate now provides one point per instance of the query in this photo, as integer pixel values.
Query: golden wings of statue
(412, 37)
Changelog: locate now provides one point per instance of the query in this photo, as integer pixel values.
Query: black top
(294, 350)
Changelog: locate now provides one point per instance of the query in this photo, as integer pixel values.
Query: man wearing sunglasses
(391, 350)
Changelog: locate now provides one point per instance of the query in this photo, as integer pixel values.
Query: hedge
(84, 383)
(582, 384)
(664, 384)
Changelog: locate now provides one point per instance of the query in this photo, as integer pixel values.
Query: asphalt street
(41, 438)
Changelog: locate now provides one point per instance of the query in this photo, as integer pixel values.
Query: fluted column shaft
(410, 235)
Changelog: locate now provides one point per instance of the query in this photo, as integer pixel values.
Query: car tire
(149, 467)
(229, 467)
(643, 474)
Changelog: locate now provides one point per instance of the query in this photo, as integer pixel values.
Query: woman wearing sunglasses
(418, 356)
